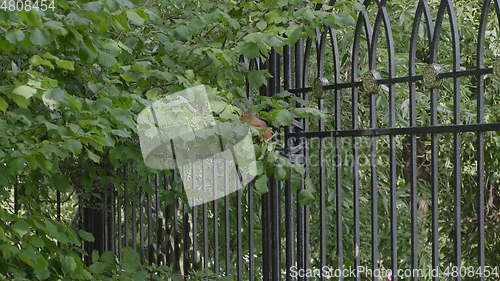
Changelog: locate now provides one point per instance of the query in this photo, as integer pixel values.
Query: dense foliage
(73, 80)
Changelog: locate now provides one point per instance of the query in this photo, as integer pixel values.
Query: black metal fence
(377, 156)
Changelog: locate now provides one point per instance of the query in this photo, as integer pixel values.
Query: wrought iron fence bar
(227, 221)
(266, 237)
(206, 245)
(141, 224)
(175, 227)
(251, 274)
(355, 150)
(457, 149)
(112, 219)
(103, 214)
(125, 209)
(118, 223)
(435, 143)
(239, 214)
(185, 224)
(134, 223)
(58, 204)
(383, 18)
(374, 185)
(289, 220)
(422, 9)
(149, 214)
(480, 138)
(275, 186)
(159, 224)
(216, 222)
(397, 80)
(194, 222)
(434, 185)
(321, 159)
(338, 152)
(254, 64)
(305, 153)
(300, 209)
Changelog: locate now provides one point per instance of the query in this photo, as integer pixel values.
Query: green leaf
(261, 185)
(8, 251)
(65, 64)
(28, 256)
(86, 236)
(3, 105)
(24, 91)
(73, 145)
(183, 32)
(131, 261)
(293, 34)
(345, 19)
(40, 268)
(95, 256)
(121, 133)
(257, 78)
(250, 50)
(61, 183)
(95, 6)
(98, 268)
(39, 160)
(59, 95)
(15, 165)
(280, 172)
(134, 18)
(21, 228)
(68, 264)
(261, 25)
(21, 101)
(281, 117)
(94, 157)
(37, 60)
(15, 36)
(107, 59)
(308, 112)
(295, 181)
(306, 196)
(40, 37)
(73, 102)
(57, 27)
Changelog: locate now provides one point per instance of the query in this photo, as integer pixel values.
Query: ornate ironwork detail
(317, 87)
(431, 79)
(369, 82)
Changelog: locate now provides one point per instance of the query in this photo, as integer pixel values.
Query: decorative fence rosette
(431, 79)
(369, 82)
(317, 87)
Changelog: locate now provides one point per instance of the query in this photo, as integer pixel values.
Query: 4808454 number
(26, 5)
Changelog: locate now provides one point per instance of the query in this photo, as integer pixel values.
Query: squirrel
(252, 120)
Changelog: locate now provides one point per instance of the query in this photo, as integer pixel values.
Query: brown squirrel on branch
(252, 120)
